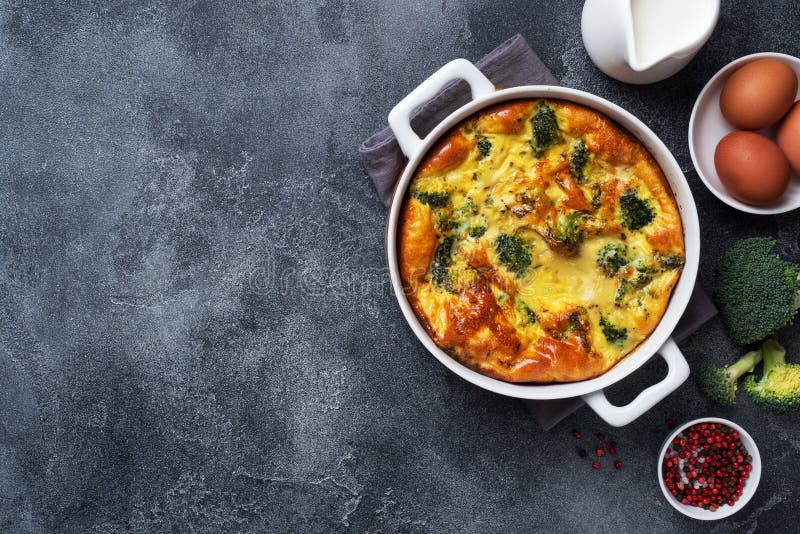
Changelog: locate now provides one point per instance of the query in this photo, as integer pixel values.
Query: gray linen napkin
(511, 64)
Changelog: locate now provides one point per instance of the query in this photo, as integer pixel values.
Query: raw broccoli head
(720, 383)
(779, 387)
(756, 291)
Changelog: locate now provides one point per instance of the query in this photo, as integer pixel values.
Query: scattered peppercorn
(600, 450)
(671, 422)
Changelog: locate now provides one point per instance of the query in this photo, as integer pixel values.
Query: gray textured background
(196, 333)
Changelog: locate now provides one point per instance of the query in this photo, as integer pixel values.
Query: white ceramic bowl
(747, 492)
(707, 126)
(484, 94)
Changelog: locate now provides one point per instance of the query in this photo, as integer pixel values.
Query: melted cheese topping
(539, 242)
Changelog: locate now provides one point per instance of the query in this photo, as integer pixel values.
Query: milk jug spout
(645, 41)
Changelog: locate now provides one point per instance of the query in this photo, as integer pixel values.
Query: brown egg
(789, 137)
(751, 167)
(758, 94)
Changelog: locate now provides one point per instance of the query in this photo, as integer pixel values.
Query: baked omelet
(539, 242)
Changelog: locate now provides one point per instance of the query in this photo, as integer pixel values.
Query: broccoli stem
(774, 355)
(745, 365)
(797, 298)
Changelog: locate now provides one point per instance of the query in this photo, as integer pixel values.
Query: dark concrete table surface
(196, 329)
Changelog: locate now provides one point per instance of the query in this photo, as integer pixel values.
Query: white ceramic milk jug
(645, 41)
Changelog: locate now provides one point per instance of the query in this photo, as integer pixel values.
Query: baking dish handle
(400, 116)
(677, 373)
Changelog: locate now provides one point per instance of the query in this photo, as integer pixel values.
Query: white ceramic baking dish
(484, 94)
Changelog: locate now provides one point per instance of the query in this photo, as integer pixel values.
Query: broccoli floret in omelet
(545, 129)
(636, 213)
(615, 335)
(611, 258)
(434, 199)
(513, 252)
(578, 160)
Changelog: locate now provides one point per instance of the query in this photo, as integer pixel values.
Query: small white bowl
(747, 492)
(707, 126)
